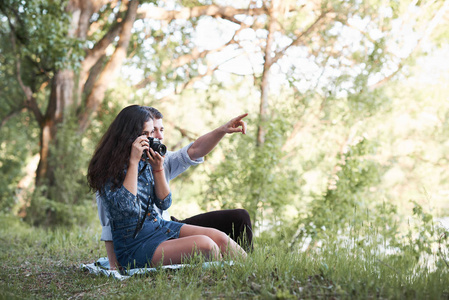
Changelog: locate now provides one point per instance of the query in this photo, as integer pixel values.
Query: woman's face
(148, 128)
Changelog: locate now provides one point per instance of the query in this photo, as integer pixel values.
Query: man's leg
(234, 222)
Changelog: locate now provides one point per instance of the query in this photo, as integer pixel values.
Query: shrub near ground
(38, 264)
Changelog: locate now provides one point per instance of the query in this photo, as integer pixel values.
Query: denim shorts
(138, 252)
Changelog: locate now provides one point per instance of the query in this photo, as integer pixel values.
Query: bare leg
(234, 222)
(226, 245)
(208, 241)
(174, 251)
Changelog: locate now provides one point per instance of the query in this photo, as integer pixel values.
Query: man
(234, 222)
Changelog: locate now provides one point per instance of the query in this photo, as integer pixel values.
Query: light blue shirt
(175, 163)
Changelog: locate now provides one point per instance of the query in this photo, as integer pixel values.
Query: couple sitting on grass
(131, 181)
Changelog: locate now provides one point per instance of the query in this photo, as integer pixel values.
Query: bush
(252, 176)
(67, 201)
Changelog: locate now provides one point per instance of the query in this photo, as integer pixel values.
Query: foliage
(253, 177)
(347, 146)
(16, 145)
(348, 190)
(67, 201)
(42, 31)
(423, 234)
(9, 87)
(323, 88)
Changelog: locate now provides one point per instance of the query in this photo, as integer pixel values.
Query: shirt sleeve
(163, 204)
(114, 203)
(179, 161)
(106, 233)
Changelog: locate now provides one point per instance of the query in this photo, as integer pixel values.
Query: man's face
(158, 131)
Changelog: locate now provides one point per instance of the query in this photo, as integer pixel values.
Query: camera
(157, 146)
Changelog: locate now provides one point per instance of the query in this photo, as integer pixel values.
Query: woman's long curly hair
(112, 154)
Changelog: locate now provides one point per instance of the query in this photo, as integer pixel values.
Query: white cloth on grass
(101, 267)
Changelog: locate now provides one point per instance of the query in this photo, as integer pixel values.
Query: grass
(38, 264)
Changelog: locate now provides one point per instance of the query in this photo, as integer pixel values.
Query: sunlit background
(347, 102)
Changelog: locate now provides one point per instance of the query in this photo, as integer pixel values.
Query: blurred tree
(51, 67)
(257, 178)
(64, 55)
(322, 66)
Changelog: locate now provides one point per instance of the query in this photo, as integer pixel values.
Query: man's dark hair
(156, 114)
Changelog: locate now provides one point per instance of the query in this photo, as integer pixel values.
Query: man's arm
(203, 145)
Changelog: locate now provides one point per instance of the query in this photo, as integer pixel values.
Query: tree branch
(188, 84)
(3, 8)
(228, 12)
(112, 67)
(102, 16)
(30, 100)
(94, 54)
(81, 12)
(299, 38)
(224, 12)
(427, 32)
(12, 114)
(181, 61)
(93, 75)
(185, 59)
(192, 80)
(184, 132)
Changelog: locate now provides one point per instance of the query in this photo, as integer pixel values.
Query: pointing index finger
(240, 117)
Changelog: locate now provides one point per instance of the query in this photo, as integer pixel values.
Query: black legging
(234, 222)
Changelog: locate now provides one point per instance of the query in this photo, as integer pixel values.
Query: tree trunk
(112, 67)
(265, 83)
(263, 107)
(46, 139)
(62, 86)
(61, 98)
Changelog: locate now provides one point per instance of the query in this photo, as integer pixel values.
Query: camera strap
(141, 221)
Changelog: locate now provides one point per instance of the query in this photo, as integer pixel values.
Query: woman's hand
(140, 144)
(161, 187)
(155, 159)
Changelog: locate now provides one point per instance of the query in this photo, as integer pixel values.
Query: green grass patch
(38, 264)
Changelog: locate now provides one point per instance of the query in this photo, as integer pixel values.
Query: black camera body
(157, 146)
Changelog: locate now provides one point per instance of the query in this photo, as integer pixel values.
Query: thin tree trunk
(265, 83)
(263, 107)
(46, 139)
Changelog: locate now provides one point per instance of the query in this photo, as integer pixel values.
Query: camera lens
(162, 149)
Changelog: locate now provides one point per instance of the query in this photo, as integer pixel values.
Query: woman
(129, 186)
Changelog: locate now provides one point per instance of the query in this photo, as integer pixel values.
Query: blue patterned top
(121, 204)
(174, 164)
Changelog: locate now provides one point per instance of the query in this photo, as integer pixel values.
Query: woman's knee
(220, 238)
(205, 243)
